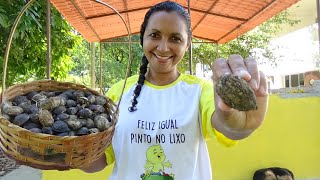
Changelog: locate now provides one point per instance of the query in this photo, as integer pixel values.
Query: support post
(100, 68)
(190, 47)
(92, 65)
(318, 21)
(48, 34)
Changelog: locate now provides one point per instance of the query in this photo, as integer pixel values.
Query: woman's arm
(232, 123)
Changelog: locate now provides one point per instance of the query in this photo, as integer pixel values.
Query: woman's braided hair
(167, 6)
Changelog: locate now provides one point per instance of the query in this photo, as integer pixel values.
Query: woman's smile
(165, 42)
(162, 59)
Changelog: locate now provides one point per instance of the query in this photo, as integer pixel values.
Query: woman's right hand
(233, 123)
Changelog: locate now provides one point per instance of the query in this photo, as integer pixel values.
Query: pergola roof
(215, 20)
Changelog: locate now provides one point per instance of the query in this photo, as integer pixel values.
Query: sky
(296, 51)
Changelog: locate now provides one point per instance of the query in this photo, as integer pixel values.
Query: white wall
(297, 54)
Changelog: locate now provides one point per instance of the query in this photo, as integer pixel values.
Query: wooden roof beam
(205, 15)
(220, 15)
(113, 13)
(148, 7)
(84, 18)
(256, 14)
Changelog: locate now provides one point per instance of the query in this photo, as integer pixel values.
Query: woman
(165, 116)
(164, 126)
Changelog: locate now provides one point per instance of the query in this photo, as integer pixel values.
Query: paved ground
(23, 173)
(6, 165)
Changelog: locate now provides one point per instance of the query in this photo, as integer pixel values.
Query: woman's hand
(233, 123)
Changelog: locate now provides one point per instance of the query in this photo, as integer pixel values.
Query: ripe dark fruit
(236, 93)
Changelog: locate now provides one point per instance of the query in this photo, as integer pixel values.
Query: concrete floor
(23, 173)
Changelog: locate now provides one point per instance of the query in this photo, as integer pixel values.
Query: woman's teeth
(163, 57)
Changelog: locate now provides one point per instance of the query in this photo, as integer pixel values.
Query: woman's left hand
(233, 123)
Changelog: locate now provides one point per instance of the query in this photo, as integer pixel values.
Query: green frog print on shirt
(156, 164)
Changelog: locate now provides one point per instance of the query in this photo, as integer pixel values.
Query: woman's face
(165, 41)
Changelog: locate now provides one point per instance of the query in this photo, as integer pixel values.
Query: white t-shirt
(165, 137)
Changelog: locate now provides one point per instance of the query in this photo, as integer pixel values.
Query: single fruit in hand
(236, 93)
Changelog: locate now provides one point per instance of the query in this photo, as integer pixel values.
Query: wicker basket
(37, 148)
(49, 150)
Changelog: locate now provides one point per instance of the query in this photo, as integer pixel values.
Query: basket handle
(14, 27)
(130, 58)
(6, 54)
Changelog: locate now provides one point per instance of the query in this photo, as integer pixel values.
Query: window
(272, 79)
(287, 82)
(294, 80)
(301, 79)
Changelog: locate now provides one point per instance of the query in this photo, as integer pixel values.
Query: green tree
(314, 31)
(245, 45)
(115, 55)
(115, 58)
(27, 58)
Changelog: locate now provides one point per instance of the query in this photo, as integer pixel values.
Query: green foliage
(245, 45)
(115, 55)
(27, 58)
(115, 58)
(71, 53)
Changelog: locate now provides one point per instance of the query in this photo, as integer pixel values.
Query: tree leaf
(3, 21)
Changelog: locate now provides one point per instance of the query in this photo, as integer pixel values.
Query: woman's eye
(153, 35)
(176, 39)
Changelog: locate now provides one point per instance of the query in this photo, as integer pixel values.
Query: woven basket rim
(50, 81)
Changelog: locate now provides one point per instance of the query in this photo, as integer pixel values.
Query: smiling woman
(165, 44)
(165, 37)
(165, 116)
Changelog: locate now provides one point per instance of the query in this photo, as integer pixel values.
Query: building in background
(299, 64)
(297, 49)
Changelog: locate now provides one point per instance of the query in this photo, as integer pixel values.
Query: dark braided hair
(167, 6)
(137, 90)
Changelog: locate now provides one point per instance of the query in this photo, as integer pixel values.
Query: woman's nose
(163, 46)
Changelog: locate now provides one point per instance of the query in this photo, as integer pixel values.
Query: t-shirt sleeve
(206, 110)
(109, 155)
(114, 92)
